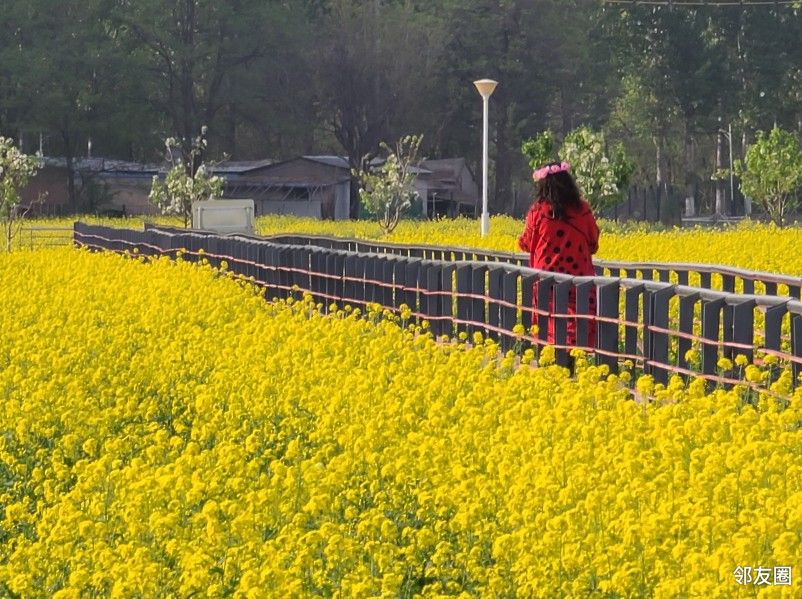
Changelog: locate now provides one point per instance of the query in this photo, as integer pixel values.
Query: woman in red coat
(561, 235)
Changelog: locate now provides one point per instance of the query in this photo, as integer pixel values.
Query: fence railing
(36, 237)
(652, 323)
(727, 278)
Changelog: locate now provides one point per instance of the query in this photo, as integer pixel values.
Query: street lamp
(485, 88)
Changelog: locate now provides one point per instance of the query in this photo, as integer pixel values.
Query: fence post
(302, 260)
(464, 273)
(424, 303)
(283, 258)
(370, 278)
(351, 291)
(743, 315)
(337, 268)
(711, 317)
(772, 326)
(494, 293)
(509, 314)
(193, 243)
(411, 273)
(527, 302)
(607, 332)
(317, 266)
(631, 301)
(796, 345)
(686, 321)
(658, 317)
(478, 289)
(728, 285)
(236, 253)
(431, 277)
(544, 295)
(560, 315)
(388, 276)
(252, 255)
(374, 272)
(263, 272)
(583, 291)
(447, 303)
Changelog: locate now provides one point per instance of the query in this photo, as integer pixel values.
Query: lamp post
(485, 88)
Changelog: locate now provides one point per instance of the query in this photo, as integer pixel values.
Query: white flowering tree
(601, 173)
(387, 191)
(15, 170)
(187, 180)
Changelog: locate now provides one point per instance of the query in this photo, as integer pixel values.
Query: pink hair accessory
(550, 169)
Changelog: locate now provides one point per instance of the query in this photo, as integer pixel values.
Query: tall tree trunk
(690, 180)
(187, 70)
(661, 172)
(721, 198)
(353, 207)
(70, 163)
(747, 201)
(501, 197)
(565, 113)
(230, 134)
(799, 122)
(658, 160)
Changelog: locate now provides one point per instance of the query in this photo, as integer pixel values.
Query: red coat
(563, 246)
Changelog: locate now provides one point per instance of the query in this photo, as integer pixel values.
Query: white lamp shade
(485, 86)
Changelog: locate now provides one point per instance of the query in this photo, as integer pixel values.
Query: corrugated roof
(441, 163)
(337, 161)
(415, 170)
(451, 164)
(256, 182)
(109, 165)
(240, 166)
(103, 165)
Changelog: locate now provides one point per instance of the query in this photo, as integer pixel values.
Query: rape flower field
(168, 433)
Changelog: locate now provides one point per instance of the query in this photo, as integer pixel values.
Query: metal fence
(36, 237)
(650, 322)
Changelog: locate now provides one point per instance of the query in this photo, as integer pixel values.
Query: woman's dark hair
(560, 191)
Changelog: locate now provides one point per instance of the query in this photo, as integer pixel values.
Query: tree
(66, 75)
(540, 149)
(15, 170)
(194, 52)
(187, 180)
(387, 191)
(602, 174)
(372, 64)
(771, 173)
(675, 83)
